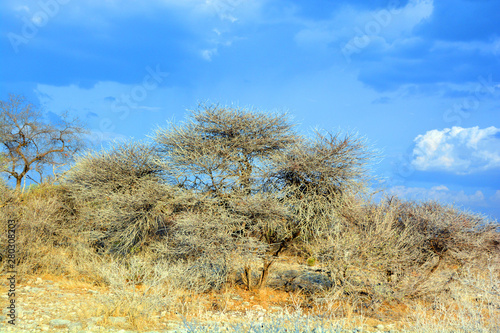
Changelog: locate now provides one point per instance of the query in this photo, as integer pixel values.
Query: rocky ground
(44, 305)
(48, 306)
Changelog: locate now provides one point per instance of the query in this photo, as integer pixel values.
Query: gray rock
(59, 323)
(35, 290)
(75, 326)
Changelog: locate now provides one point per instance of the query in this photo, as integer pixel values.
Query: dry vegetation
(233, 202)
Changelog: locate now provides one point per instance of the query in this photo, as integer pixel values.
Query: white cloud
(97, 138)
(439, 188)
(442, 194)
(482, 47)
(496, 47)
(208, 54)
(457, 150)
(226, 10)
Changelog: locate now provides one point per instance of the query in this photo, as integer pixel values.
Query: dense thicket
(230, 190)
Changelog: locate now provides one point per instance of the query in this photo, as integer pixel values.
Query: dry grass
(46, 238)
(152, 301)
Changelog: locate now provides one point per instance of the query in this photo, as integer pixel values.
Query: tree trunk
(265, 273)
(18, 183)
(246, 276)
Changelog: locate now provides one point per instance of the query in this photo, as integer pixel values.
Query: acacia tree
(28, 143)
(220, 150)
(220, 153)
(273, 182)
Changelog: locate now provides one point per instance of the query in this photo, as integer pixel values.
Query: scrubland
(232, 213)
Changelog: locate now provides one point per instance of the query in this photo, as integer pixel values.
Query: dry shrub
(394, 249)
(125, 207)
(220, 153)
(46, 240)
(120, 199)
(204, 242)
(139, 289)
(211, 237)
(7, 193)
(312, 177)
(471, 305)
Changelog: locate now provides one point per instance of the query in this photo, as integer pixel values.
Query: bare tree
(29, 143)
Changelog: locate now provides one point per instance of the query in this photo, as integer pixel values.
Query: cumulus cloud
(458, 150)
(440, 188)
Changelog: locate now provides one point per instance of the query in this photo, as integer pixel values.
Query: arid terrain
(234, 221)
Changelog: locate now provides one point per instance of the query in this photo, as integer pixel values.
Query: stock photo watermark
(471, 103)
(11, 272)
(47, 10)
(131, 100)
(225, 8)
(370, 30)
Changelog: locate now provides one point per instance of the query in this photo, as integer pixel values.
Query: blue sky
(420, 80)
